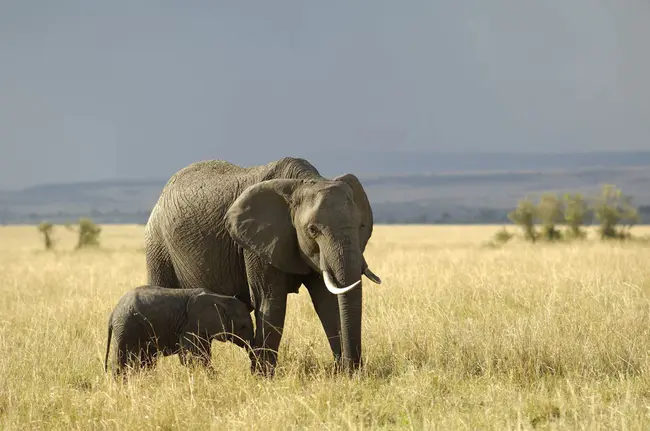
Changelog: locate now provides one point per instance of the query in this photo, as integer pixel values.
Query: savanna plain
(458, 336)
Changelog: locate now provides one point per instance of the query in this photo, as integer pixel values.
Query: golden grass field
(459, 336)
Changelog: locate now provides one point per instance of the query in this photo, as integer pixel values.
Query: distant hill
(407, 163)
(465, 196)
(487, 197)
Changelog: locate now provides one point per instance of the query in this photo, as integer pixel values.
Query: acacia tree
(46, 228)
(549, 211)
(524, 216)
(88, 233)
(576, 212)
(611, 208)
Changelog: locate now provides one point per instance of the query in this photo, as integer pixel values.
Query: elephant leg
(182, 357)
(121, 360)
(147, 357)
(269, 287)
(195, 350)
(202, 353)
(160, 269)
(147, 361)
(206, 354)
(132, 360)
(126, 355)
(269, 325)
(327, 309)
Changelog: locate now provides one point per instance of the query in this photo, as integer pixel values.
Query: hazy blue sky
(92, 90)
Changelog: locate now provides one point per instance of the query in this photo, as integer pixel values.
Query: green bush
(524, 216)
(46, 229)
(502, 236)
(88, 233)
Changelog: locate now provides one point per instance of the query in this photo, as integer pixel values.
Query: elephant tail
(108, 342)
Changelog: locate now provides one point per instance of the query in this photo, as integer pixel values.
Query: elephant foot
(119, 375)
(262, 366)
(262, 369)
(196, 360)
(347, 366)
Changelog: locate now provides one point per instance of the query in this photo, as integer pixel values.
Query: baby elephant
(152, 321)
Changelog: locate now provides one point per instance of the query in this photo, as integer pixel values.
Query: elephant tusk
(331, 286)
(371, 276)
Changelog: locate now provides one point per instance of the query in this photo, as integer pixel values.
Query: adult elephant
(261, 232)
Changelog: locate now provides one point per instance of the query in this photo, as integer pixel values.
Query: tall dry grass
(459, 336)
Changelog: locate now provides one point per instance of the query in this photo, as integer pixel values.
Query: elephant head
(300, 226)
(213, 316)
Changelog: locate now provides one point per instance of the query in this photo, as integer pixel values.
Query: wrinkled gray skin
(259, 233)
(152, 321)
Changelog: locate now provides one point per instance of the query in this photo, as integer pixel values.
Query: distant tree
(576, 212)
(46, 228)
(549, 211)
(88, 233)
(524, 216)
(612, 208)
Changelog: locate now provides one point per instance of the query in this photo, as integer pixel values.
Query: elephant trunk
(350, 308)
(345, 269)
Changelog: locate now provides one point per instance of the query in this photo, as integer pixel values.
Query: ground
(459, 336)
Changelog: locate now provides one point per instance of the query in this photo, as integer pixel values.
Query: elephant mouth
(235, 339)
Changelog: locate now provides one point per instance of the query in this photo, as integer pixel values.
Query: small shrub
(46, 228)
(524, 216)
(88, 233)
(549, 211)
(612, 208)
(502, 236)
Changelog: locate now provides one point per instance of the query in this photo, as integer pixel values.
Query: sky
(125, 89)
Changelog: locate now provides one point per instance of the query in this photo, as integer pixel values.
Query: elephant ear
(260, 221)
(362, 202)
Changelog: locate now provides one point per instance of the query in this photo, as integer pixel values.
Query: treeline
(418, 212)
(555, 217)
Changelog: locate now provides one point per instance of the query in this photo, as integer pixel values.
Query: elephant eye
(313, 230)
